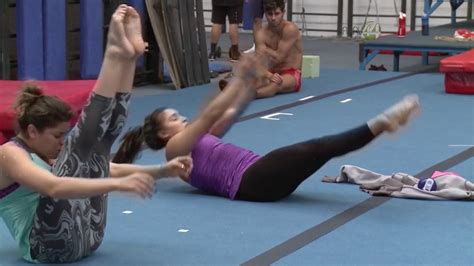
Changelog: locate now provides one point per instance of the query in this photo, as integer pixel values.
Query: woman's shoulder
(174, 146)
(12, 153)
(11, 147)
(7, 152)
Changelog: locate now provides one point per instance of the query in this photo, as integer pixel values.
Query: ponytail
(131, 146)
(133, 140)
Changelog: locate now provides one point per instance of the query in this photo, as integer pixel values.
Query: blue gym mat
(182, 226)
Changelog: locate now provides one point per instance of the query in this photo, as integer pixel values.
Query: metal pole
(350, 13)
(404, 6)
(289, 11)
(4, 58)
(413, 15)
(469, 10)
(340, 10)
(453, 16)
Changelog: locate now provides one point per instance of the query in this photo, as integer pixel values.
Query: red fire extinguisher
(402, 22)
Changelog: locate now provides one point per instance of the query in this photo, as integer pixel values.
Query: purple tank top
(218, 167)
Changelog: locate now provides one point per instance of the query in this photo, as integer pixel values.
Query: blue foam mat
(225, 232)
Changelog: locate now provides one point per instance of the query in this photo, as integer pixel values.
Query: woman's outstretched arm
(180, 166)
(16, 165)
(240, 87)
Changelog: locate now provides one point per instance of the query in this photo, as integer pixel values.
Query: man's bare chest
(272, 40)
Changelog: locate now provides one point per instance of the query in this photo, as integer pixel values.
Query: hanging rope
(303, 19)
(397, 13)
(371, 30)
(368, 11)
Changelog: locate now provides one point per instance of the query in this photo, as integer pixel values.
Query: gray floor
(340, 53)
(335, 53)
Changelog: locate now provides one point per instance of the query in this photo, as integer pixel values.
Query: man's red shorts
(294, 72)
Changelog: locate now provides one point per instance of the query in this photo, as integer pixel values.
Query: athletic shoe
(251, 50)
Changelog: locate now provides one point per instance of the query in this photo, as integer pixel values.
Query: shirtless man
(280, 41)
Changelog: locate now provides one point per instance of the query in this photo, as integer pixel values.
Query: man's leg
(217, 19)
(235, 18)
(215, 35)
(234, 34)
(270, 89)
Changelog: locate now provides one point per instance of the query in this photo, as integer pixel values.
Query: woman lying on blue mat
(56, 220)
(231, 171)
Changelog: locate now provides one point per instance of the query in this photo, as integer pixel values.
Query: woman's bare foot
(133, 31)
(395, 116)
(118, 45)
(399, 114)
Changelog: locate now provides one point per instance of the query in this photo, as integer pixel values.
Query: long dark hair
(132, 142)
(43, 111)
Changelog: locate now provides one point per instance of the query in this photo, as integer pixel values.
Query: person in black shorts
(220, 10)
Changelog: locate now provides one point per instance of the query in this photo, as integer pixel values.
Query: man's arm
(260, 45)
(264, 52)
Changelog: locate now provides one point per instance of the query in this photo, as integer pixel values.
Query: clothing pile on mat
(440, 186)
(460, 35)
(464, 34)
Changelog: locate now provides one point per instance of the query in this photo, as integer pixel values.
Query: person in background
(220, 10)
(279, 41)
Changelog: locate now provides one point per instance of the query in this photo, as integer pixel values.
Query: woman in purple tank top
(234, 172)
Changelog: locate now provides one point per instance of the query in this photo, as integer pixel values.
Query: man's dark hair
(271, 5)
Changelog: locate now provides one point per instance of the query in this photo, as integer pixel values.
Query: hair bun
(27, 97)
(33, 89)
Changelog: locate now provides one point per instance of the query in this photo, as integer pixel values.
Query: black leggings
(277, 174)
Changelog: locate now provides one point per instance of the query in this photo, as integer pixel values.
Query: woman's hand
(180, 166)
(141, 184)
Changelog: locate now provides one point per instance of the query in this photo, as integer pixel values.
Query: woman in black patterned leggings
(63, 219)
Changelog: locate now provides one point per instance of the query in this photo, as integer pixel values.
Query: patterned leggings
(66, 230)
